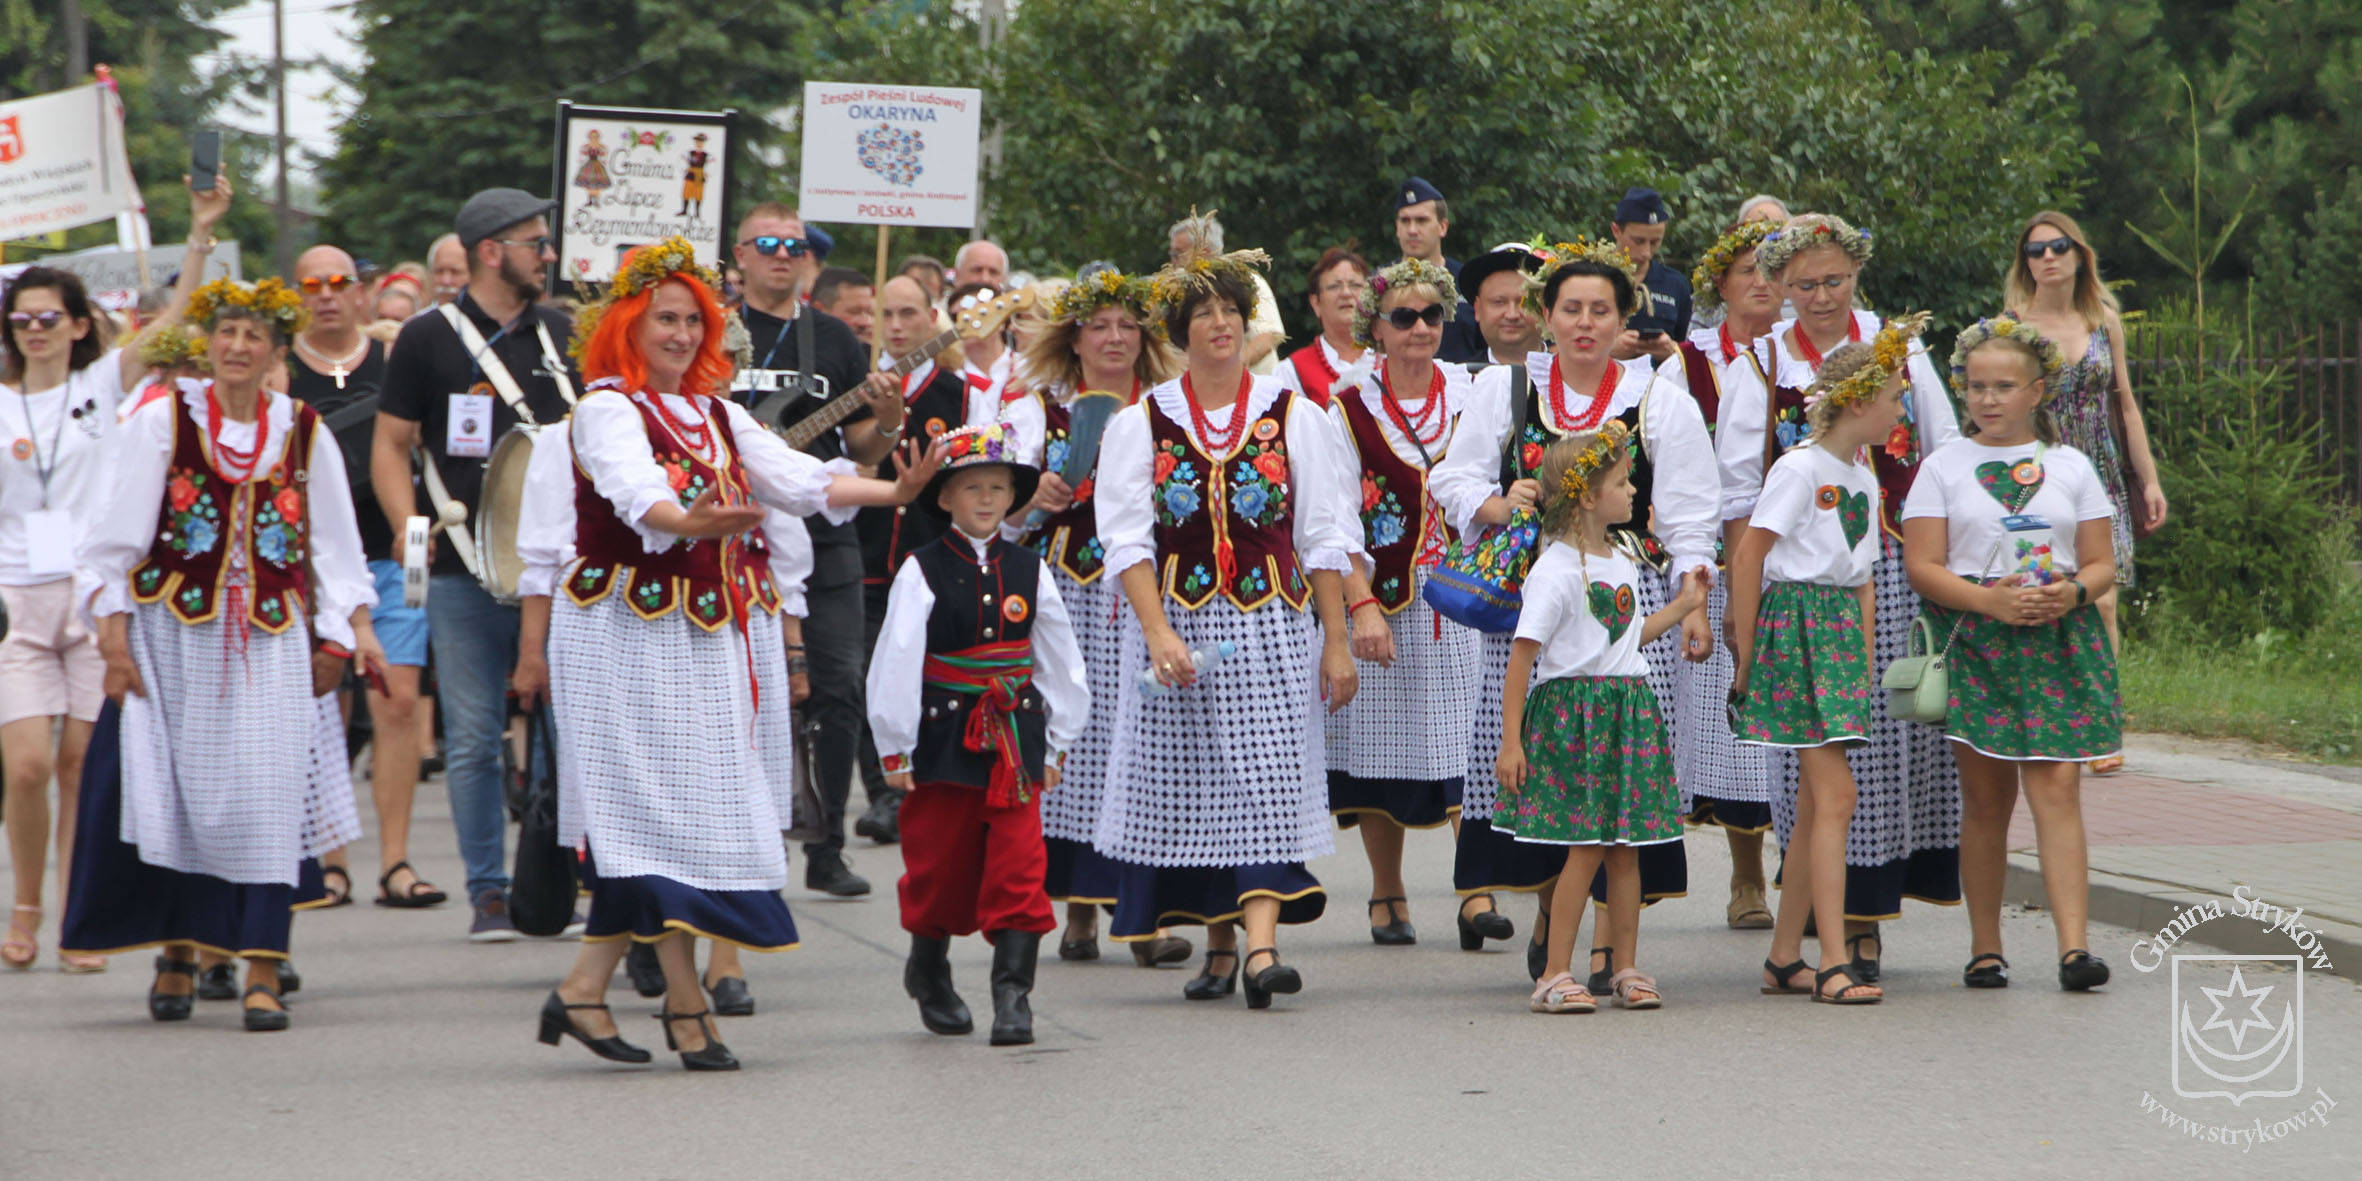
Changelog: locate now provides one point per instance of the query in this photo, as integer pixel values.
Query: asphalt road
(413, 1055)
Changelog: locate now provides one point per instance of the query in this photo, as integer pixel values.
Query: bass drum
(498, 512)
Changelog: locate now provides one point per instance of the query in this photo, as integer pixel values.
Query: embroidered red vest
(1069, 540)
(1313, 374)
(1705, 384)
(712, 581)
(1224, 525)
(204, 514)
(1400, 538)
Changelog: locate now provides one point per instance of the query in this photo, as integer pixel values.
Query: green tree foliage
(460, 97)
(156, 48)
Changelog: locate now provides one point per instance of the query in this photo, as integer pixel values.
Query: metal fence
(2318, 386)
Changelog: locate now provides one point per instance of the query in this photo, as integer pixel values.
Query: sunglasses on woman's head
(2057, 246)
(769, 244)
(313, 284)
(46, 320)
(1403, 318)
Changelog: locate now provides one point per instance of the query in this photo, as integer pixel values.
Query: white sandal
(1632, 980)
(1563, 994)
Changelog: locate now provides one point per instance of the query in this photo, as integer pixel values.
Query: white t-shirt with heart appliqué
(2009, 510)
(1584, 609)
(1825, 509)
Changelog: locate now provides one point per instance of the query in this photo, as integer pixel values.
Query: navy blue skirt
(648, 908)
(1149, 897)
(1411, 803)
(1490, 860)
(1079, 873)
(118, 903)
(1735, 815)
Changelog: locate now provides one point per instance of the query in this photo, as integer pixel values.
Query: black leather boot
(1013, 956)
(926, 976)
(883, 821)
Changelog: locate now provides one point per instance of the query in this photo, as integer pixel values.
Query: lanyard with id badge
(2028, 535)
(49, 533)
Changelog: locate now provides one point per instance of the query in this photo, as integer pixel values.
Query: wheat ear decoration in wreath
(1199, 264)
(1706, 281)
(173, 345)
(2005, 327)
(268, 300)
(1410, 272)
(1558, 254)
(647, 266)
(1606, 448)
(1890, 351)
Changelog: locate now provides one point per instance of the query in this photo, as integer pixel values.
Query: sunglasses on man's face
(315, 284)
(769, 244)
(1403, 318)
(2058, 246)
(45, 320)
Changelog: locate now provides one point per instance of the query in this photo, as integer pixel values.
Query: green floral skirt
(1810, 683)
(2046, 692)
(1598, 768)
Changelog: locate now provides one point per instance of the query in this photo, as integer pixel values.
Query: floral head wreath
(173, 345)
(266, 299)
(1410, 272)
(1706, 281)
(1805, 231)
(1198, 266)
(1890, 350)
(1106, 288)
(2003, 327)
(1606, 448)
(1558, 254)
(647, 266)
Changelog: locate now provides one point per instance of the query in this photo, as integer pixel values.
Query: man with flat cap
(458, 378)
(1421, 219)
(1662, 322)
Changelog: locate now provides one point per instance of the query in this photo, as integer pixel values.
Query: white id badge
(468, 428)
(49, 542)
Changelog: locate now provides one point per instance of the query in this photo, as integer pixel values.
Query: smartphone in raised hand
(204, 160)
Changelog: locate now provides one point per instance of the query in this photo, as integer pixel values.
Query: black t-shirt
(352, 412)
(839, 361)
(430, 365)
(1461, 339)
(888, 535)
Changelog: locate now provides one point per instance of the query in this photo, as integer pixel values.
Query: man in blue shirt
(1662, 322)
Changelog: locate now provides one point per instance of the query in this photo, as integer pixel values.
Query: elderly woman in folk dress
(1904, 840)
(1219, 505)
(227, 580)
(1584, 292)
(651, 622)
(1397, 755)
(1096, 338)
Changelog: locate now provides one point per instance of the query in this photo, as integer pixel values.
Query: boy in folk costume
(975, 649)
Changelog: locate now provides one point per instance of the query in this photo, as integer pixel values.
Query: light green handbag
(1919, 685)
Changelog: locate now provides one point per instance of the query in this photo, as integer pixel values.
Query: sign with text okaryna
(62, 162)
(890, 155)
(628, 177)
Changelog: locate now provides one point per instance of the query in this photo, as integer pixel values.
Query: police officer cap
(1641, 206)
(1416, 190)
(821, 242)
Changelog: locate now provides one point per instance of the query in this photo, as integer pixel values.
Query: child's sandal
(1563, 994)
(1782, 974)
(1636, 989)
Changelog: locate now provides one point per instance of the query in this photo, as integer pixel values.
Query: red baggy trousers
(968, 867)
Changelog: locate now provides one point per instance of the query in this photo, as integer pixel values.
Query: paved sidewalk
(2192, 820)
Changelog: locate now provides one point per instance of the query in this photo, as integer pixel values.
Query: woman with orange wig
(651, 623)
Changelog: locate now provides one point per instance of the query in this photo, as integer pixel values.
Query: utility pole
(283, 223)
(992, 24)
(77, 42)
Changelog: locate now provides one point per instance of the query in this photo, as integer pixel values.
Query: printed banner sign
(627, 177)
(62, 162)
(890, 155)
(111, 273)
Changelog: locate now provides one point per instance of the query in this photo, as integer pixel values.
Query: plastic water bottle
(1199, 658)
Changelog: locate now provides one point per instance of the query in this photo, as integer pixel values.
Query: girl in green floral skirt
(2006, 535)
(1802, 635)
(1583, 761)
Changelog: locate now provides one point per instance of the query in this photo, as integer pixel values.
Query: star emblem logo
(2224, 998)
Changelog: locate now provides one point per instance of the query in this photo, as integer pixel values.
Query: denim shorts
(400, 630)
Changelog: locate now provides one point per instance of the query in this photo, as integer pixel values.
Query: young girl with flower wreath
(1903, 842)
(1584, 761)
(2008, 537)
(1583, 294)
(1801, 616)
(1398, 755)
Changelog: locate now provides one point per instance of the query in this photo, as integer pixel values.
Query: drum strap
(457, 538)
(497, 372)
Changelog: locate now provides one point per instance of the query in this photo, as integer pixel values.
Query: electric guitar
(972, 322)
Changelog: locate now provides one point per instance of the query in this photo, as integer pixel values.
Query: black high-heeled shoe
(715, 1055)
(1206, 986)
(1396, 932)
(167, 1006)
(1866, 968)
(1278, 977)
(260, 1020)
(646, 973)
(731, 997)
(1537, 952)
(1602, 982)
(556, 1024)
(1484, 924)
(2081, 971)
